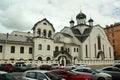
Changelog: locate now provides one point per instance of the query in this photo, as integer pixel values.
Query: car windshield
(53, 76)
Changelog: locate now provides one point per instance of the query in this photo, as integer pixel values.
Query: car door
(62, 74)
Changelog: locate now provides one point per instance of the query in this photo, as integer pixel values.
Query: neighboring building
(113, 33)
(75, 43)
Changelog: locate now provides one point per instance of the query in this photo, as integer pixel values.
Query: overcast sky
(21, 15)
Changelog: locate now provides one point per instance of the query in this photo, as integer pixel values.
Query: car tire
(101, 78)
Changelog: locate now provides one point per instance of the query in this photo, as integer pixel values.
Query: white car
(93, 73)
(55, 66)
(69, 66)
(40, 75)
(80, 65)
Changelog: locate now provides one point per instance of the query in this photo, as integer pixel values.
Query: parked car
(69, 66)
(31, 66)
(5, 76)
(7, 67)
(70, 75)
(20, 67)
(114, 71)
(80, 65)
(116, 65)
(93, 73)
(40, 75)
(55, 66)
(45, 67)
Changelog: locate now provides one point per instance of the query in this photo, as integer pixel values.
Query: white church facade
(80, 42)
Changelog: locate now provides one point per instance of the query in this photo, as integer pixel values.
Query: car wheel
(101, 78)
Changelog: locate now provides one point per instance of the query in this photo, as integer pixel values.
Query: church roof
(41, 21)
(81, 16)
(66, 35)
(12, 38)
(79, 36)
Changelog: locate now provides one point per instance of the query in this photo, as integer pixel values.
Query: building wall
(6, 52)
(113, 34)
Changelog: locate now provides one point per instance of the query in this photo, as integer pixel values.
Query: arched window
(62, 48)
(48, 58)
(39, 32)
(99, 42)
(49, 34)
(48, 47)
(56, 48)
(40, 58)
(44, 33)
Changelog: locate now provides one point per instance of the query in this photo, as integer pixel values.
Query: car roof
(42, 71)
(3, 72)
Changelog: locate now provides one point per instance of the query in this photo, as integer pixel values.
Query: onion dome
(71, 21)
(90, 20)
(81, 16)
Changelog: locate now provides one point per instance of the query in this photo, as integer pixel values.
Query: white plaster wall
(42, 27)
(44, 52)
(17, 54)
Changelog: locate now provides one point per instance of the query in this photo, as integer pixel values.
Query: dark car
(6, 76)
(7, 67)
(70, 75)
(114, 71)
(45, 67)
(20, 67)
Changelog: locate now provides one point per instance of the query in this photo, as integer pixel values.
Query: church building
(78, 42)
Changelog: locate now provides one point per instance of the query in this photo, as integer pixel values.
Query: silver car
(94, 73)
(39, 75)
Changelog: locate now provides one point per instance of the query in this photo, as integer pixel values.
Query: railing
(88, 62)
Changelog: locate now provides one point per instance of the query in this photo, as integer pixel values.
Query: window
(62, 48)
(113, 41)
(99, 42)
(45, 23)
(40, 47)
(41, 76)
(48, 47)
(95, 49)
(1, 48)
(48, 58)
(74, 49)
(21, 49)
(77, 50)
(40, 58)
(56, 48)
(39, 32)
(68, 50)
(110, 51)
(49, 34)
(86, 51)
(12, 49)
(44, 33)
(30, 50)
(31, 75)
